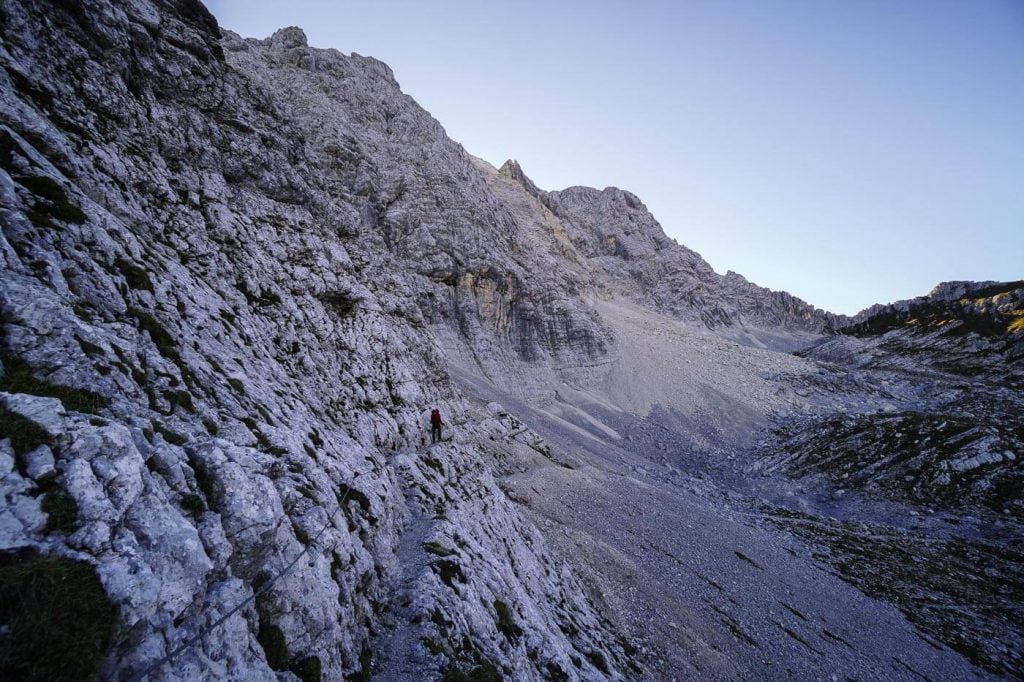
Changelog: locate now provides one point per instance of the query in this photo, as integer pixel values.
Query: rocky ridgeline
(973, 330)
(217, 304)
(632, 257)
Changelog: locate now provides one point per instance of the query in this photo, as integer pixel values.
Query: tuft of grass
(61, 510)
(57, 622)
(193, 504)
(182, 399)
(505, 623)
(438, 549)
(24, 433)
(18, 378)
(274, 646)
(136, 276)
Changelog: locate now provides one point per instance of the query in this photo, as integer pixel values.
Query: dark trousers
(435, 433)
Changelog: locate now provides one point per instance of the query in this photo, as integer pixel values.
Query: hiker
(435, 425)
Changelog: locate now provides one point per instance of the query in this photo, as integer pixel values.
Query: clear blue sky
(849, 152)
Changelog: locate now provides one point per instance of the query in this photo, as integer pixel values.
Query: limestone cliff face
(217, 303)
(632, 256)
(481, 276)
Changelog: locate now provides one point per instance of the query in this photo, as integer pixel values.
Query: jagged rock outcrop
(968, 329)
(943, 291)
(935, 429)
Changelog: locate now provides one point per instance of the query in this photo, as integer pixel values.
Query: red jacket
(435, 418)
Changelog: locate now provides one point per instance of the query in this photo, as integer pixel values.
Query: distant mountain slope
(632, 256)
(970, 329)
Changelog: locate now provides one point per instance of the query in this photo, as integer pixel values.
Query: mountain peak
(289, 36)
(512, 170)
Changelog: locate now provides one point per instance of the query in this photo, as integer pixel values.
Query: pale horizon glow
(848, 153)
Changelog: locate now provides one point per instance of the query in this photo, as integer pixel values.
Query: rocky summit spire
(512, 169)
(289, 36)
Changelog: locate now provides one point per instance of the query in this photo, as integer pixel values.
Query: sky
(849, 152)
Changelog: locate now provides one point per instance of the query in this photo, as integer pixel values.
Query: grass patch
(505, 623)
(274, 646)
(182, 399)
(18, 378)
(57, 621)
(24, 433)
(437, 549)
(61, 511)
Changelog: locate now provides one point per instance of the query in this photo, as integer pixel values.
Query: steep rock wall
(207, 314)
